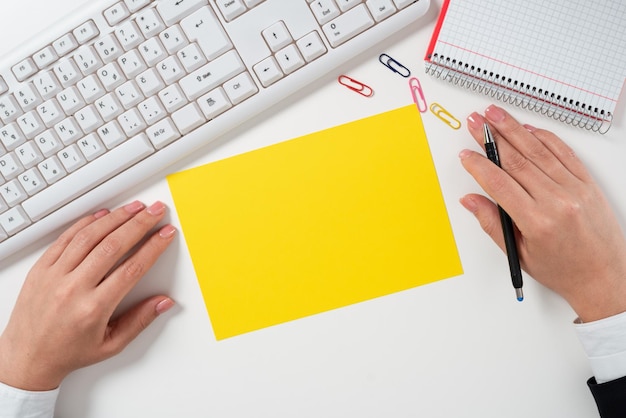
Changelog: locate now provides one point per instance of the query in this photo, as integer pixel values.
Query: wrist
(600, 301)
(20, 373)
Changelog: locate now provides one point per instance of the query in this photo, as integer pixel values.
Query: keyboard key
(45, 57)
(3, 85)
(67, 130)
(152, 51)
(27, 97)
(131, 122)
(87, 60)
(46, 84)
(268, 71)
(311, 46)
(71, 158)
(345, 5)
(188, 118)
(70, 100)
(231, 9)
(214, 103)
(65, 44)
(170, 70)
(129, 94)
(66, 72)
(30, 124)
(12, 193)
(111, 76)
(24, 69)
(150, 82)
(151, 110)
(162, 133)
(381, 9)
(191, 57)
(289, 59)
(31, 181)
(116, 13)
(11, 136)
(149, 23)
(88, 119)
(28, 154)
(172, 98)
(86, 32)
(348, 25)
(134, 5)
(109, 107)
(132, 64)
(48, 143)
(14, 220)
(108, 48)
(204, 28)
(111, 134)
(173, 39)
(211, 75)
(10, 166)
(50, 112)
(173, 11)
(129, 35)
(51, 170)
(90, 88)
(324, 10)
(9, 109)
(91, 147)
(87, 177)
(277, 36)
(240, 88)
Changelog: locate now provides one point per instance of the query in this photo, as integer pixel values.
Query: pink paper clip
(354, 85)
(418, 94)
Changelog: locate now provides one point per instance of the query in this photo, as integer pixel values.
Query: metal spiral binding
(520, 95)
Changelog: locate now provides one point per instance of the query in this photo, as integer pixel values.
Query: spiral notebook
(563, 58)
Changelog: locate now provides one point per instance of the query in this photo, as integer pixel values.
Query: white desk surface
(461, 347)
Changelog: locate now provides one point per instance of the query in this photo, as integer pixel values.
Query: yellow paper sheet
(316, 223)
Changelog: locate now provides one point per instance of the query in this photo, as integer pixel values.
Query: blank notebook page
(575, 49)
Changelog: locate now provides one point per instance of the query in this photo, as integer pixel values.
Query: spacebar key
(87, 177)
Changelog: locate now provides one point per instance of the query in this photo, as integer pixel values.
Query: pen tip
(520, 294)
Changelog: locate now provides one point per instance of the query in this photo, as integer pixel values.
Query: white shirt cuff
(604, 341)
(18, 403)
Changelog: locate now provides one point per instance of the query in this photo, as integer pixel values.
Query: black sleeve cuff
(610, 397)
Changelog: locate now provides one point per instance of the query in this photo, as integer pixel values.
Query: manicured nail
(530, 128)
(494, 114)
(167, 231)
(101, 213)
(475, 121)
(464, 154)
(164, 306)
(469, 203)
(134, 207)
(156, 208)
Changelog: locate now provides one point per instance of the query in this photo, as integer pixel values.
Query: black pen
(507, 223)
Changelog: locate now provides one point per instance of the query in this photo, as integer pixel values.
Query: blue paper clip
(355, 85)
(394, 65)
(445, 116)
(418, 94)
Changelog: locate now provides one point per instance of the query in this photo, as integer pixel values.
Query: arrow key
(268, 71)
(311, 46)
(289, 59)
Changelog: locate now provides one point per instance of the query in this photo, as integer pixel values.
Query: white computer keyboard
(120, 89)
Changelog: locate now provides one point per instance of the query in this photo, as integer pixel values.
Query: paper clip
(418, 94)
(394, 65)
(354, 85)
(445, 116)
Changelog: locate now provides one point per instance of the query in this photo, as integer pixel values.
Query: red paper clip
(418, 94)
(355, 85)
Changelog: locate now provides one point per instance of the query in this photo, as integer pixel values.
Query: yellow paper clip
(394, 65)
(445, 116)
(418, 94)
(355, 85)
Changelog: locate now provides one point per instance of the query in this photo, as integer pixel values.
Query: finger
(118, 242)
(523, 170)
(498, 184)
(126, 328)
(488, 216)
(528, 145)
(125, 276)
(52, 254)
(562, 151)
(86, 239)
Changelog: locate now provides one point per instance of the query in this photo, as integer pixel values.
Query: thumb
(486, 212)
(127, 327)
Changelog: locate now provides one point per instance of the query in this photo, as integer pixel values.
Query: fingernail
(469, 203)
(101, 213)
(530, 128)
(494, 114)
(156, 208)
(474, 121)
(167, 231)
(464, 154)
(134, 207)
(164, 306)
